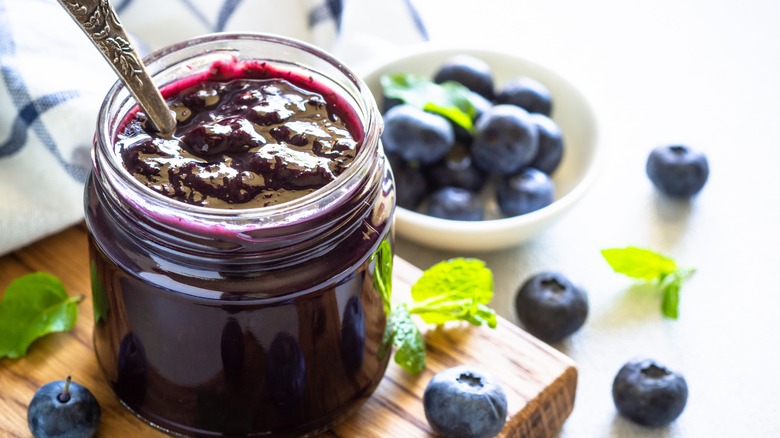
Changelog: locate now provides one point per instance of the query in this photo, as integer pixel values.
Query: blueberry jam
(241, 142)
(260, 314)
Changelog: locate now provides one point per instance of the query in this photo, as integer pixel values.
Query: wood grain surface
(540, 382)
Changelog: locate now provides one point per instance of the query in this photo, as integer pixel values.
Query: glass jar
(215, 322)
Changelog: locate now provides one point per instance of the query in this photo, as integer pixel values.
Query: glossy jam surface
(242, 142)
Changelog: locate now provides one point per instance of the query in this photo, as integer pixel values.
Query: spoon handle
(100, 23)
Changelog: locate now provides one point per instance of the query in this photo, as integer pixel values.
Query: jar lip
(367, 113)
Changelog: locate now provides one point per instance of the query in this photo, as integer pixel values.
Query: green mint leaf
(671, 285)
(99, 296)
(671, 300)
(407, 339)
(456, 289)
(33, 306)
(639, 263)
(450, 99)
(383, 273)
(650, 266)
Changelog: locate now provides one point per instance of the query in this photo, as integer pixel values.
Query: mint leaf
(650, 266)
(383, 273)
(99, 296)
(33, 306)
(450, 99)
(639, 263)
(456, 289)
(407, 339)
(453, 290)
(671, 285)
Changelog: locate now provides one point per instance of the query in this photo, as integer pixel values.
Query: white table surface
(703, 73)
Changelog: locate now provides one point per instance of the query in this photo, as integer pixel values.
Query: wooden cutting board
(540, 382)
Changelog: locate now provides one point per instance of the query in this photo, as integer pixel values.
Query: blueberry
(677, 170)
(416, 135)
(527, 93)
(63, 409)
(389, 102)
(527, 191)
(410, 183)
(456, 169)
(505, 140)
(551, 307)
(648, 393)
(465, 402)
(474, 73)
(456, 204)
(550, 144)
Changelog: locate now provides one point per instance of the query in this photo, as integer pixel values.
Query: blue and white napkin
(53, 82)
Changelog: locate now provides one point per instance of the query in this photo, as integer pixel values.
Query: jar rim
(367, 112)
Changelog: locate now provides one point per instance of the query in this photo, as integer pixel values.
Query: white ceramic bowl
(572, 178)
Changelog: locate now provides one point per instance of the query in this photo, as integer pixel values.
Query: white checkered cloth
(53, 82)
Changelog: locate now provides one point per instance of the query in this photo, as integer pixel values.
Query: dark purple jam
(242, 141)
(212, 329)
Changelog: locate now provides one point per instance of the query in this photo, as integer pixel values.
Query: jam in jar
(241, 268)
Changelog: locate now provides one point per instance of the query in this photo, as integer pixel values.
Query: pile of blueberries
(442, 170)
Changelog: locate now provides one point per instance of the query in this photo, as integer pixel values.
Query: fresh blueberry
(649, 393)
(410, 183)
(551, 307)
(63, 409)
(506, 140)
(465, 402)
(456, 204)
(550, 144)
(677, 170)
(416, 135)
(527, 191)
(526, 93)
(474, 73)
(389, 102)
(456, 169)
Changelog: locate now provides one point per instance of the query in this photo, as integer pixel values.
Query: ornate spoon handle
(99, 22)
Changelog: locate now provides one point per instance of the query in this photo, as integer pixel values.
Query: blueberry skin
(474, 73)
(416, 135)
(456, 169)
(527, 191)
(677, 170)
(550, 144)
(456, 204)
(505, 141)
(77, 417)
(411, 186)
(551, 307)
(649, 393)
(464, 402)
(527, 93)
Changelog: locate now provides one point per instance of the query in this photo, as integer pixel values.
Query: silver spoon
(99, 22)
